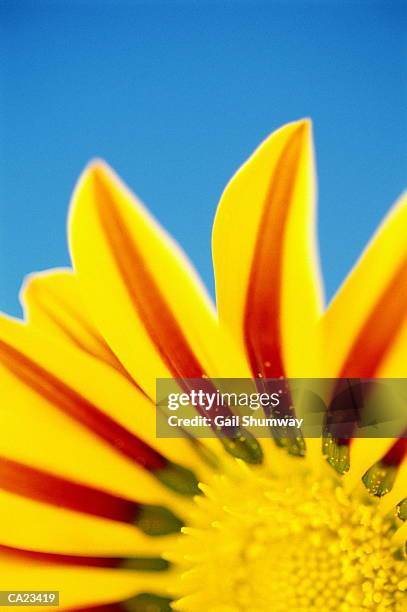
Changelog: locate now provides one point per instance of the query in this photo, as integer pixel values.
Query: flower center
(294, 543)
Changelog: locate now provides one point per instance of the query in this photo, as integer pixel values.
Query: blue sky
(175, 95)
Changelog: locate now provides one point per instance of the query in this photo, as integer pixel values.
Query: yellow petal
(141, 291)
(394, 364)
(363, 324)
(36, 526)
(49, 393)
(78, 587)
(52, 303)
(267, 284)
(32, 431)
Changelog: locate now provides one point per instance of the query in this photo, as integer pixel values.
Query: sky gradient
(175, 95)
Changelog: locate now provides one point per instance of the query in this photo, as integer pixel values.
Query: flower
(92, 502)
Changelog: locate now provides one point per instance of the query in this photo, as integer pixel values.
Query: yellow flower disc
(297, 543)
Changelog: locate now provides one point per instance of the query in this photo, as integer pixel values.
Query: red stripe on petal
(42, 486)
(263, 307)
(60, 559)
(379, 330)
(397, 453)
(81, 409)
(150, 304)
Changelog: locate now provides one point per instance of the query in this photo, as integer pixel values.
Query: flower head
(93, 503)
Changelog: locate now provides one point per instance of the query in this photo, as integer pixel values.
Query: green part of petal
(294, 446)
(157, 520)
(244, 447)
(337, 455)
(402, 510)
(379, 479)
(144, 564)
(401, 553)
(147, 602)
(179, 479)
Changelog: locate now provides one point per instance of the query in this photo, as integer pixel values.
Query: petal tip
(300, 131)
(96, 169)
(303, 127)
(97, 164)
(97, 172)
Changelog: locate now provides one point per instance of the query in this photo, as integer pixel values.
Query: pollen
(298, 543)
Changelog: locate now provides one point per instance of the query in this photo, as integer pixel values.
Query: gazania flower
(92, 503)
